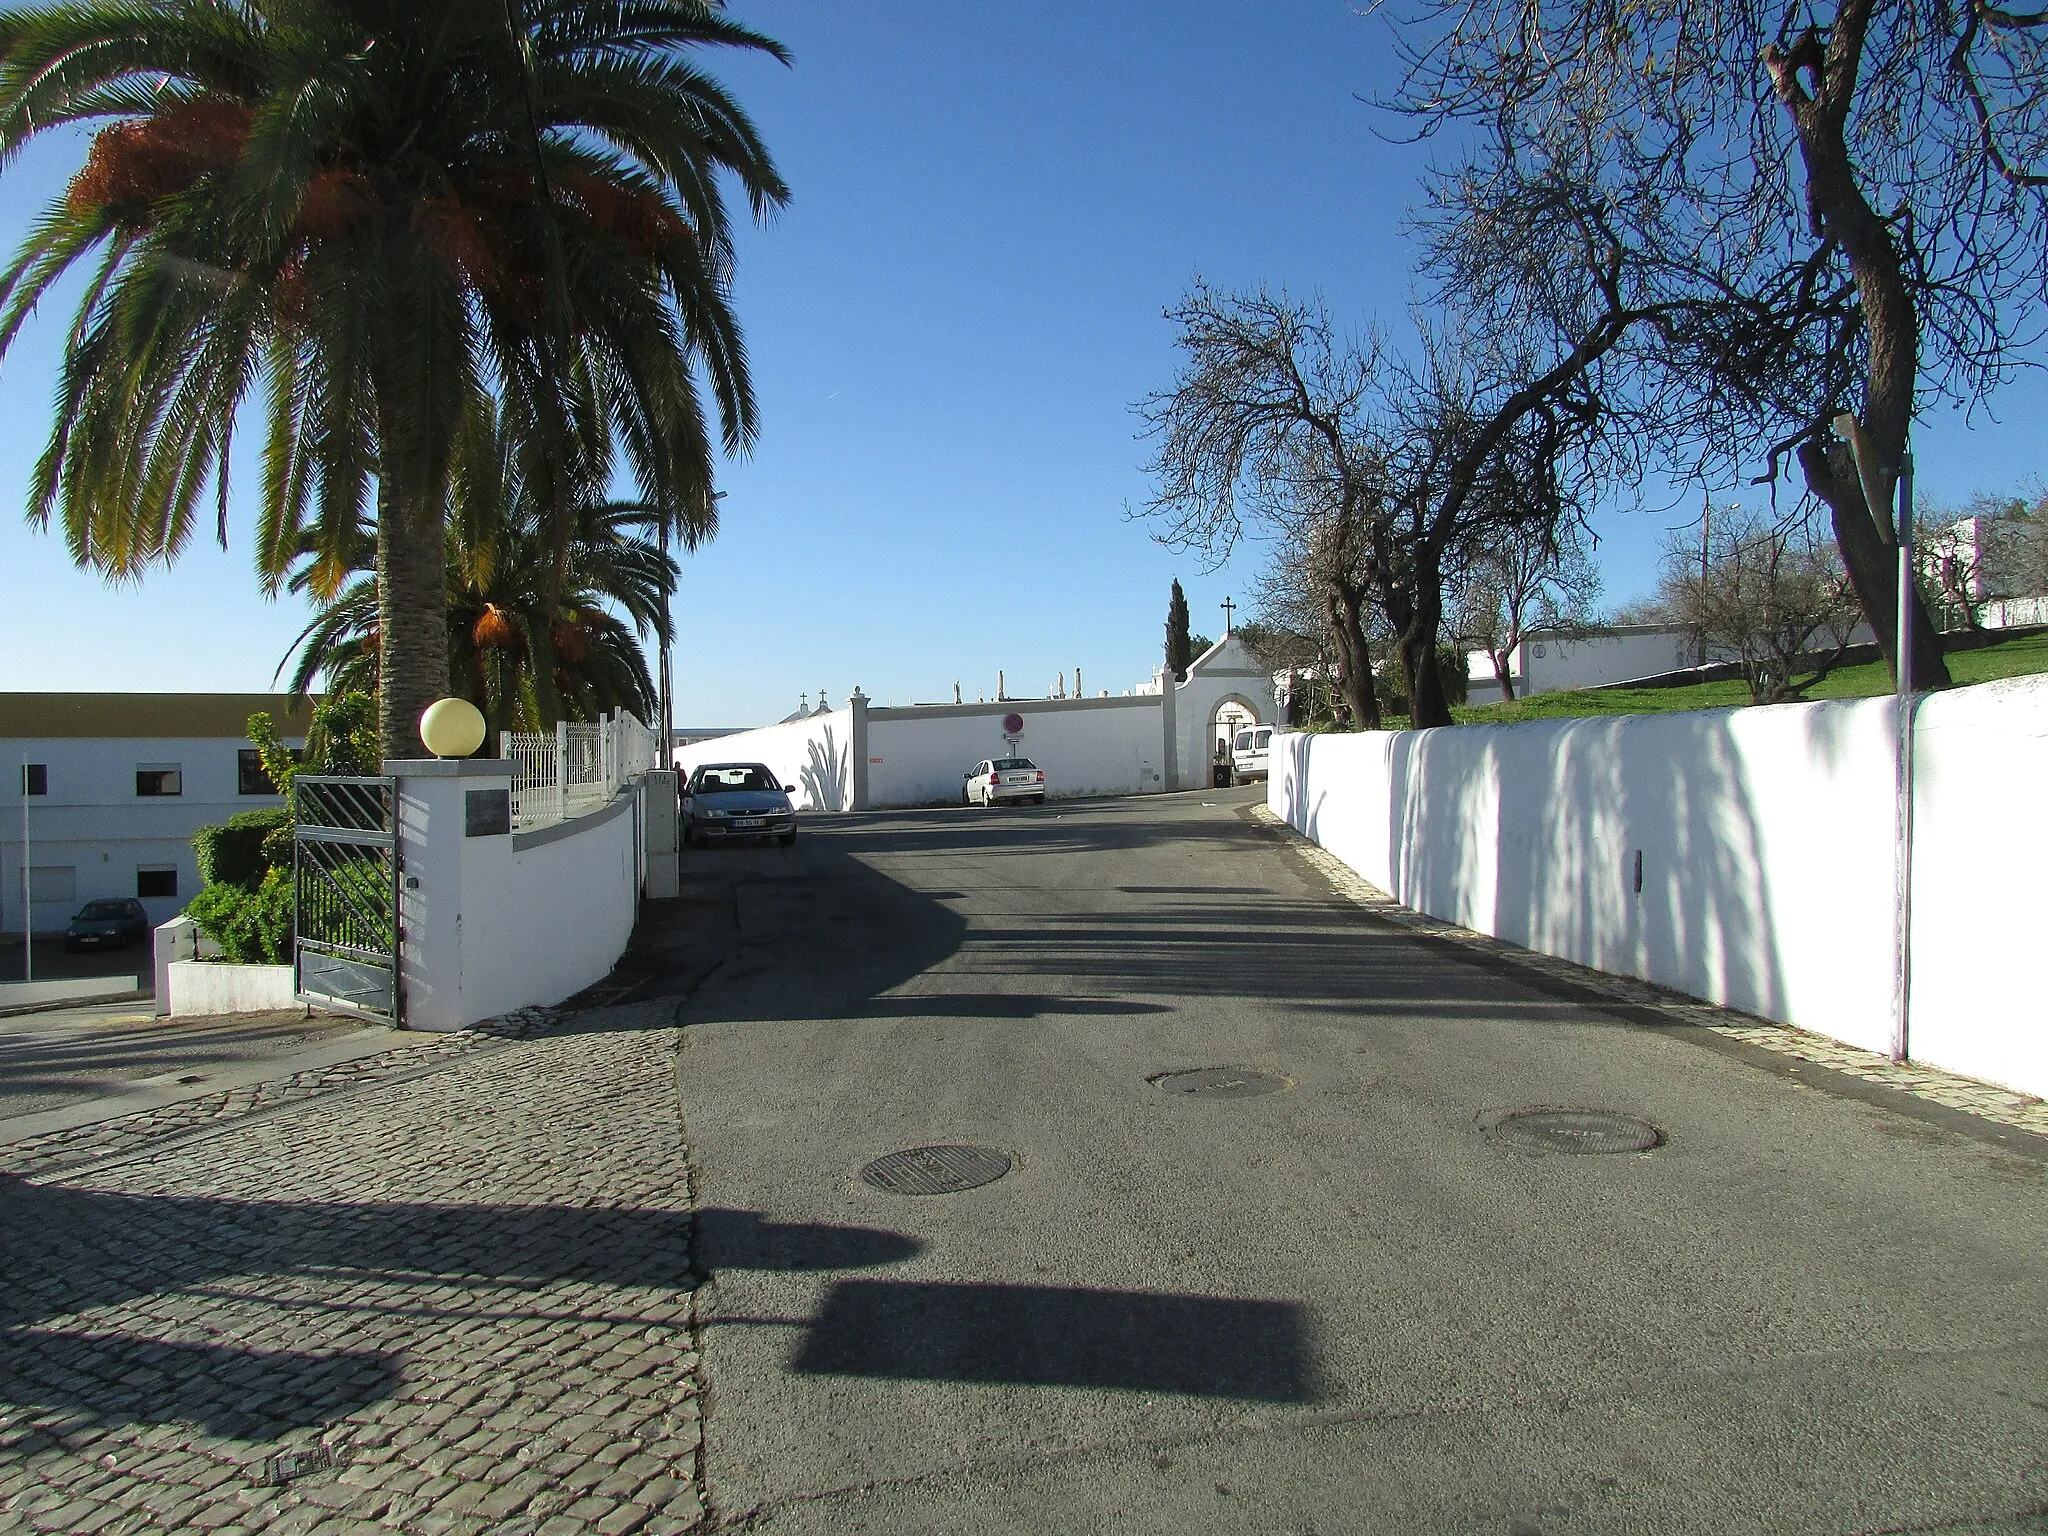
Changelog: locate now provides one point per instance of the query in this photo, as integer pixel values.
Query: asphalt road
(1345, 1306)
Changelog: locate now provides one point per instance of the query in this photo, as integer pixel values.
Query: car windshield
(1005, 764)
(1244, 741)
(1264, 738)
(102, 910)
(733, 779)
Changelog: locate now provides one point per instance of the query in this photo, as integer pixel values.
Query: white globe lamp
(452, 728)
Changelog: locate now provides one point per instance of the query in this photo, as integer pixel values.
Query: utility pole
(1877, 495)
(28, 904)
(668, 699)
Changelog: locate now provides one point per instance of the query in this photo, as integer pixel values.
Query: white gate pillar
(454, 842)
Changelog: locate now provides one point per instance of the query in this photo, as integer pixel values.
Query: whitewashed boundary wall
(920, 755)
(498, 920)
(868, 756)
(815, 754)
(1766, 846)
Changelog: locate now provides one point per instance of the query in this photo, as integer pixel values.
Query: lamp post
(666, 683)
(28, 904)
(666, 671)
(1877, 496)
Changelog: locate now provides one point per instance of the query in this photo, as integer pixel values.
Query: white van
(1248, 753)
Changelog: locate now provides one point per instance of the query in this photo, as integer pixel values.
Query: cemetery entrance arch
(1231, 714)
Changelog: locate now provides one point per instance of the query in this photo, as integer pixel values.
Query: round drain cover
(936, 1170)
(1223, 1083)
(1577, 1130)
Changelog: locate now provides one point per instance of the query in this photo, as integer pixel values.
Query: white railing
(576, 770)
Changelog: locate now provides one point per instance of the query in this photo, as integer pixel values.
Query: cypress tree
(1179, 644)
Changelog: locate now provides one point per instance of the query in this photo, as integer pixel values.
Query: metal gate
(345, 895)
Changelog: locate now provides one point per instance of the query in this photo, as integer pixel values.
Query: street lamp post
(1877, 496)
(28, 902)
(666, 683)
(667, 671)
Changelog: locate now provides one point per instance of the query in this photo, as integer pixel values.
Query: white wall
(506, 921)
(815, 754)
(1545, 663)
(206, 988)
(921, 755)
(1766, 844)
(547, 916)
(94, 823)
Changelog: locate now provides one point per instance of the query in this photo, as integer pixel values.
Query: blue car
(109, 922)
(737, 800)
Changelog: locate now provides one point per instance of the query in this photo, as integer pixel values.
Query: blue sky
(948, 328)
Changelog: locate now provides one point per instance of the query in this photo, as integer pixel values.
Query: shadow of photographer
(251, 1318)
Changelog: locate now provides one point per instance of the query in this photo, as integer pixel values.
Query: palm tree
(544, 613)
(374, 214)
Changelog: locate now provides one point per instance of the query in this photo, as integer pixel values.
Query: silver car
(737, 800)
(1005, 778)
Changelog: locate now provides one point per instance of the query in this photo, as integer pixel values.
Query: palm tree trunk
(412, 616)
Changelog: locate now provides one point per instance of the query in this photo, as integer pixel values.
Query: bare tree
(1769, 593)
(1387, 467)
(1292, 596)
(1528, 578)
(1852, 195)
(1953, 570)
(2030, 552)
(1269, 424)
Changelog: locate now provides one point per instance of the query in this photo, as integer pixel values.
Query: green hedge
(251, 927)
(235, 853)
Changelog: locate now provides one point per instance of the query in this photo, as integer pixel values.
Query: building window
(35, 778)
(250, 778)
(161, 881)
(159, 779)
(53, 883)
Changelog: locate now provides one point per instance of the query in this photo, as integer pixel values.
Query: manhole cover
(936, 1170)
(1223, 1083)
(1577, 1130)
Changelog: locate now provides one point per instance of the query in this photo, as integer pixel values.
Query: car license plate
(748, 821)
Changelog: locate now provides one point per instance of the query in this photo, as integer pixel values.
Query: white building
(117, 784)
(1553, 661)
(1984, 559)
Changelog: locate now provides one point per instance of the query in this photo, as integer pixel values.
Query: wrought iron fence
(577, 769)
(345, 894)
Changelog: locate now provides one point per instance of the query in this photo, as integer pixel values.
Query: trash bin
(1219, 776)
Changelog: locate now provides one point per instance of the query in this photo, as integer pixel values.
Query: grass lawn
(2009, 658)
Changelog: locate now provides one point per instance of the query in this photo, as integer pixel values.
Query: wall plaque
(486, 812)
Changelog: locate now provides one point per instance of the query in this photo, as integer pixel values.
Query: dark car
(108, 924)
(737, 800)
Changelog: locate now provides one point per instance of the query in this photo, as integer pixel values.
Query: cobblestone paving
(126, 1134)
(1987, 1100)
(471, 1288)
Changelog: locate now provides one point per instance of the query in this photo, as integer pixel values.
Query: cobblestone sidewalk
(469, 1290)
(1986, 1100)
(126, 1134)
